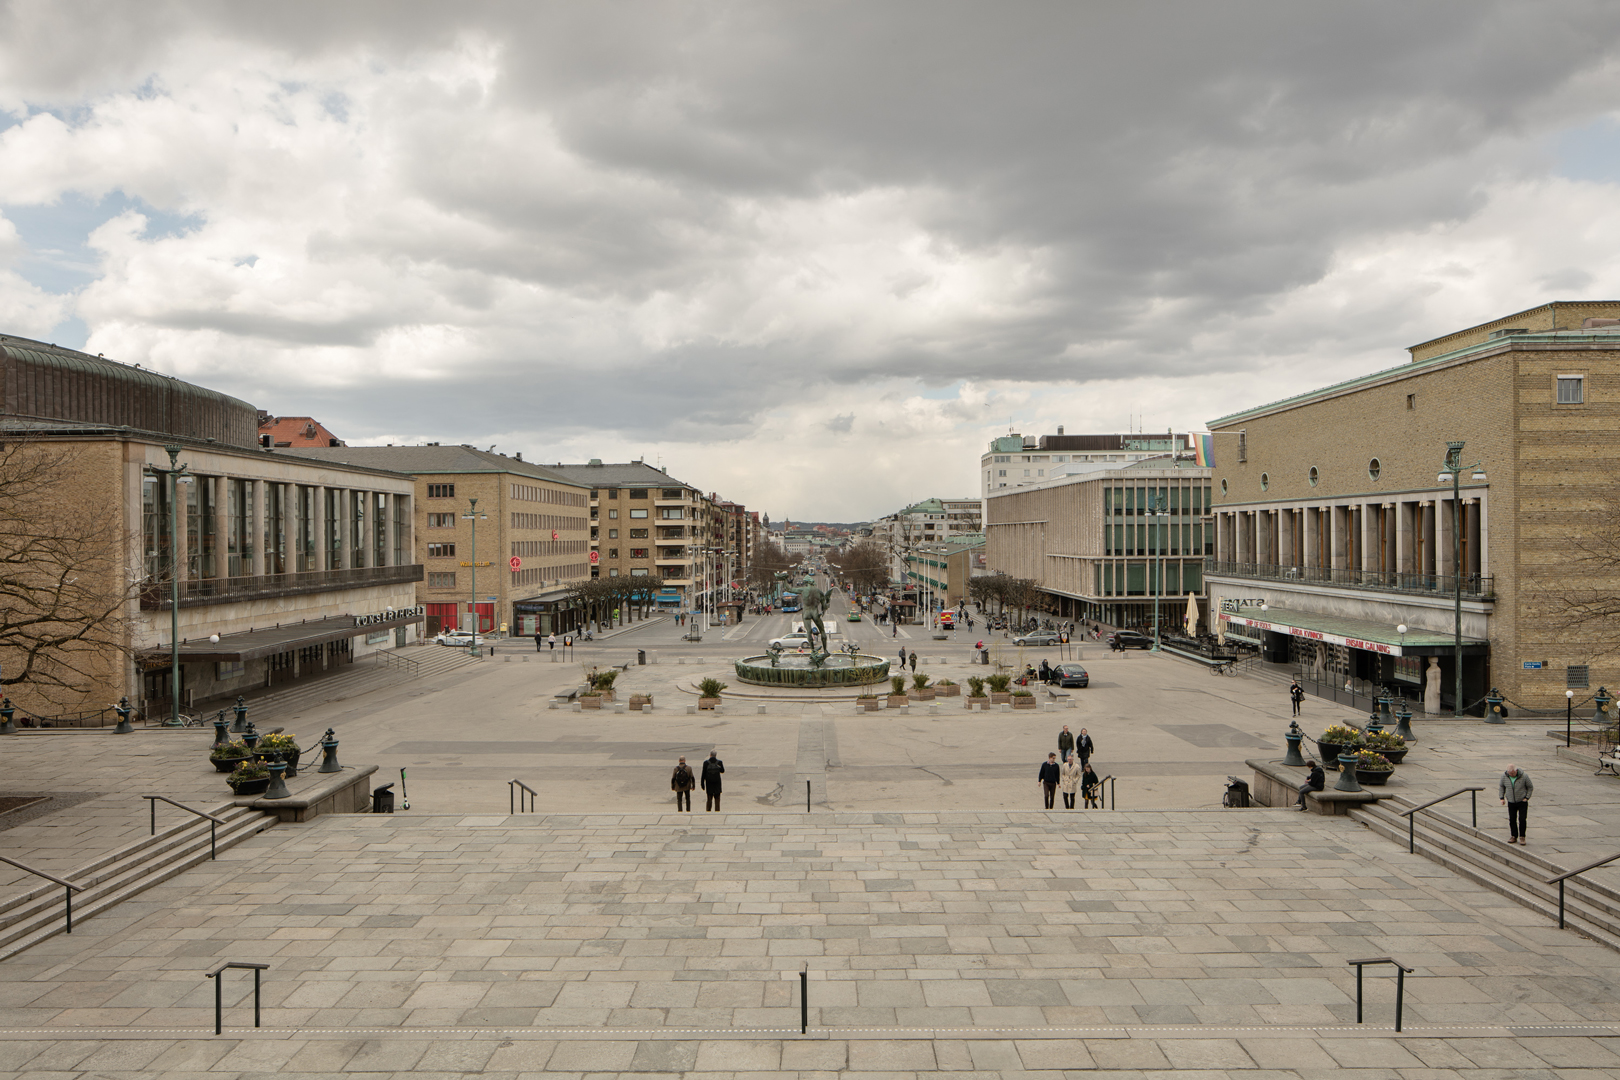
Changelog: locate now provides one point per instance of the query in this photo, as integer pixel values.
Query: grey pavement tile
(891, 1055)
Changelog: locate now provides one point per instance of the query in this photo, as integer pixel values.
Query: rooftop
(430, 459)
(597, 473)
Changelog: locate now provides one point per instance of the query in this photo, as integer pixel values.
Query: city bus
(790, 602)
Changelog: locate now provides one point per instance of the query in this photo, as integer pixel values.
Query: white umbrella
(1192, 615)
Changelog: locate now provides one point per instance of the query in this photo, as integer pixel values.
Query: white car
(791, 641)
(462, 638)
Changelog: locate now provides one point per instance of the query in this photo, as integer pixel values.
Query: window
(638, 514)
(441, 551)
(1570, 389)
(638, 493)
(1002, 459)
(613, 493)
(441, 521)
(1411, 401)
(1265, 481)
(613, 571)
(441, 491)
(441, 581)
(1223, 487)
(671, 513)
(641, 534)
(1374, 467)
(1243, 446)
(613, 534)
(1001, 472)
(638, 553)
(1315, 476)
(613, 553)
(670, 493)
(638, 571)
(1026, 472)
(613, 515)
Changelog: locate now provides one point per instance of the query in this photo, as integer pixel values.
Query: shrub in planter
(1387, 743)
(920, 688)
(709, 693)
(869, 702)
(279, 747)
(946, 688)
(226, 757)
(250, 777)
(975, 686)
(1372, 767)
(602, 682)
(1022, 699)
(640, 701)
(999, 685)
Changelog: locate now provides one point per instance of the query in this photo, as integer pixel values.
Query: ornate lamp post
(1452, 470)
(1569, 714)
(176, 475)
(1158, 508)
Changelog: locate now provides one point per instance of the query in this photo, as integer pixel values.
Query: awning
(1353, 633)
(258, 643)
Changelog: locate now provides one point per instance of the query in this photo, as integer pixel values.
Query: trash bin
(1237, 793)
(641, 656)
(984, 657)
(382, 800)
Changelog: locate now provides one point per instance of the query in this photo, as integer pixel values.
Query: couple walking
(683, 781)
(1068, 777)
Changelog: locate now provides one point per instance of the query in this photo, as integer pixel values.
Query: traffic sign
(596, 557)
(515, 563)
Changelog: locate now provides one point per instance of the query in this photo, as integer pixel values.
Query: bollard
(762, 710)
(1293, 735)
(578, 707)
(329, 745)
(222, 729)
(1347, 774)
(619, 707)
(1403, 723)
(278, 781)
(1493, 708)
(250, 737)
(124, 728)
(7, 711)
(240, 709)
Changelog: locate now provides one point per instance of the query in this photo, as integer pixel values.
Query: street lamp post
(1569, 713)
(1158, 508)
(1452, 470)
(176, 474)
(475, 517)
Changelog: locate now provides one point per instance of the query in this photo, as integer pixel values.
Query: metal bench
(1609, 763)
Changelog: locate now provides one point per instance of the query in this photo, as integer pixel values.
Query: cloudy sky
(810, 256)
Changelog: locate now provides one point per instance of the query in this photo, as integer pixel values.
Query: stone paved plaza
(947, 923)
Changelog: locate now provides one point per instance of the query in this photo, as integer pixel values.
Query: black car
(1071, 675)
(1129, 639)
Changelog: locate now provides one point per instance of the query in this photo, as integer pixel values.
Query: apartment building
(1108, 546)
(1338, 523)
(931, 521)
(502, 541)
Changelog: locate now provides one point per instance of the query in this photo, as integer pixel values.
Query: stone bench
(1277, 785)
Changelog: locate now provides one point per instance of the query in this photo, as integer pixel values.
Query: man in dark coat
(1046, 671)
(913, 659)
(682, 784)
(1065, 743)
(1296, 694)
(712, 768)
(1084, 746)
(1316, 781)
(1049, 777)
(538, 640)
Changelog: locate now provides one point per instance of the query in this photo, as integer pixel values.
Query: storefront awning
(260, 642)
(1353, 633)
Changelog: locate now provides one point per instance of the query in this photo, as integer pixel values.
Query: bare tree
(64, 593)
(864, 565)
(1581, 590)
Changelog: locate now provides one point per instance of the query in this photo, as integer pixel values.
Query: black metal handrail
(71, 888)
(1411, 818)
(1560, 879)
(213, 822)
(516, 807)
(1107, 796)
(387, 658)
(1401, 972)
(219, 997)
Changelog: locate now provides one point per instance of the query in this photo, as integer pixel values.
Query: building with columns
(1334, 526)
(285, 568)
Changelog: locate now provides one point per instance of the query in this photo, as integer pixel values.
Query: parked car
(1038, 637)
(1129, 639)
(853, 616)
(1071, 675)
(462, 638)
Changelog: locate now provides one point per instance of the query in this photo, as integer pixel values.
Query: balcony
(229, 590)
(1474, 586)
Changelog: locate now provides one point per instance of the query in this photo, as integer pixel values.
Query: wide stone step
(1524, 882)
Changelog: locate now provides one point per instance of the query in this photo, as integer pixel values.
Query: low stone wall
(1277, 785)
(347, 792)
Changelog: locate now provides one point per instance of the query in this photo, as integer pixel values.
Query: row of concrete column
(1408, 536)
(280, 554)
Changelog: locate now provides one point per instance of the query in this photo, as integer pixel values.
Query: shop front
(550, 612)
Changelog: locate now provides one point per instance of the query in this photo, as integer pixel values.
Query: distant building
(277, 431)
(1015, 461)
(930, 521)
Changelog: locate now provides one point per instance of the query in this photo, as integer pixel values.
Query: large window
(441, 551)
(441, 521)
(1571, 389)
(441, 491)
(638, 514)
(441, 581)
(672, 513)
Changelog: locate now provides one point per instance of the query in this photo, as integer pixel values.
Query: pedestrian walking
(1515, 789)
(896, 632)
(1048, 779)
(1046, 671)
(538, 640)
(1315, 781)
(902, 658)
(682, 783)
(712, 768)
(553, 640)
(1088, 788)
(1296, 694)
(913, 659)
(1084, 747)
(1068, 779)
(1065, 743)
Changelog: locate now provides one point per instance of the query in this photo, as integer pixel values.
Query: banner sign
(1314, 635)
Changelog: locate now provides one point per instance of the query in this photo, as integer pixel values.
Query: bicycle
(1224, 667)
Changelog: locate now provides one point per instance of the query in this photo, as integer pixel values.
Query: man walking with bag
(682, 783)
(712, 768)
(1515, 790)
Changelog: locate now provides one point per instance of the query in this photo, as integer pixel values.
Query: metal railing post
(807, 796)
(804, 1000)
(1560, 903)
(1401, 971)
(218, 975)
(1400, 994)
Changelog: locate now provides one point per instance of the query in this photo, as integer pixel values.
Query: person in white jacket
(1069, 780)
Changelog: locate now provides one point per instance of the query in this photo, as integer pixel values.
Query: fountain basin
(795, 670)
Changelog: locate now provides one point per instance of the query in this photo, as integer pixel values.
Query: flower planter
(976, 702)
(227, 764)
(898, 700)
(949, 690)
(870, 704)
(1023, 703)
(1368, 778)
(922, 695)
(1001, 699)
(590, 701)
(252, 787)
(1330, 754)
(1396, 756)
(639, 702)
(708, 702)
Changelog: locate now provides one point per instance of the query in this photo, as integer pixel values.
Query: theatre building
(285, 568)
(1357, 525)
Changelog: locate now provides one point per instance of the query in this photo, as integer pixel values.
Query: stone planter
(252, 787)
(976, 702)
(1024, 702)
(1395, 756)
(1331, 752)
(708, 702)
(949, 690)
(639, 702)
(228, 764)
(870, 704)
(1368, 778)
(898, 700)
(590, 701)
(926, 694)
(1001, 699)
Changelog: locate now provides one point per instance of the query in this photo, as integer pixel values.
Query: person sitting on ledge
(1316, 781)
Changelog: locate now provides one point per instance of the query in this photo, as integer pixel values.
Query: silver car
(1038, 637)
